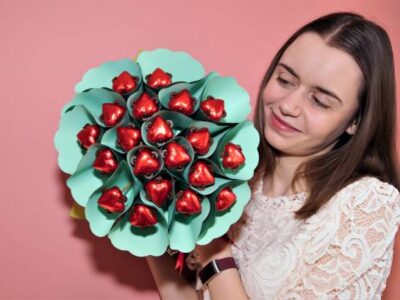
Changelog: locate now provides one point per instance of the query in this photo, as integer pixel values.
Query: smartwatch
(214, 267)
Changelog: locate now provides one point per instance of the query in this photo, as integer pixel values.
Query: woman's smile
(279, 124)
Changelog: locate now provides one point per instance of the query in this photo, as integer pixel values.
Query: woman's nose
(291, 104)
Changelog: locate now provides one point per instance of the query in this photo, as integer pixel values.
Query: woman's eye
(316, 100)
(319, 103)
(283, 81)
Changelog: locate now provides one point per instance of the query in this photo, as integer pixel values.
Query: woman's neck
(279, 183)
(286, 165)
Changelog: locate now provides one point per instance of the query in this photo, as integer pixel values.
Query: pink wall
(46, 46)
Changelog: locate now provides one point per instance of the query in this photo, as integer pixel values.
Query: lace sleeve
(355, 259)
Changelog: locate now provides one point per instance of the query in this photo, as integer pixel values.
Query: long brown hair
(371, 151)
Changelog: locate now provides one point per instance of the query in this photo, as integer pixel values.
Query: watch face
(207, 272)
(216, 266)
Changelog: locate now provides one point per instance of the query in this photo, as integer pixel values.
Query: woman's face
(314, 90)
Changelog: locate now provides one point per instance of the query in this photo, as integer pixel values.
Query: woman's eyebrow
(319, 88)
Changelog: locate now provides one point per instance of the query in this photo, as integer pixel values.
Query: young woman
(325, 206)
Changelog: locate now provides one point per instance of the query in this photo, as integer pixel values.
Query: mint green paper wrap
(173, 230)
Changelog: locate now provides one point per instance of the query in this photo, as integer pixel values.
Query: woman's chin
(274, 139)
(278, 142)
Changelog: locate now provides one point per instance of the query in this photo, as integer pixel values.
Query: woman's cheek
(272, 93)
(315, 124)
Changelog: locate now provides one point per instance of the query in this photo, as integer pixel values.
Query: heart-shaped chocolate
(232, 156)
(146, 162)
(112, 113)
(159, 130)
(158, 79)
(176, 155)
(105, 161)
(188, 202)
(144, 107)
(200, 139)
(158, 190)
(143, 216)
(112, 200)
(225, 199)
(88, 135)
(201, 174)
(124, 83)
(213, 108)
(182, 102)
(128, 137)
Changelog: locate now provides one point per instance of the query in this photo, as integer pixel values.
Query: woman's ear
(352, 128)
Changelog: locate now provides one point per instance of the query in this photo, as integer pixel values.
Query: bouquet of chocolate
(158, 152)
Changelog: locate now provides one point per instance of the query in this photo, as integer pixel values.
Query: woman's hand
(169, 284)
(217, 248)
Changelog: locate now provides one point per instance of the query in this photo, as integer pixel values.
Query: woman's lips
(280, 124)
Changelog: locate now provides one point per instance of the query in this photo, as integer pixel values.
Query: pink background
(46, 46)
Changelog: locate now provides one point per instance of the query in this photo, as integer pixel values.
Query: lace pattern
(344, 251)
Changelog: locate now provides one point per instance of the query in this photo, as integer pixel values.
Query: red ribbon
(179, 261)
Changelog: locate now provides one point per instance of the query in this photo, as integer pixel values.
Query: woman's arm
(169, 283)
(227, 284)
(392, 290)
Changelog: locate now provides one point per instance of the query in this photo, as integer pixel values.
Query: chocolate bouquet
(158, 152)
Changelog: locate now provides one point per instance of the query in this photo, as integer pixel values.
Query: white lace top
(344, 251)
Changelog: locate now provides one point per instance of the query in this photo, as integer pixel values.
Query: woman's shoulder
(375, 181)
(358, 199)
(369, 188)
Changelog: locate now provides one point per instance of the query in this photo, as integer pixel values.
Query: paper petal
(245, 135)
(236, 99)
(140, 242)
(135, 96)
(109, 138)
(218, 223)
(195, 88)
(167, 206)
(184, 230)
(181, 65)
(65, 140)
(180, 122)
(93, 100)
(133, 152)
(86, 179)
(99, 220)
(216, 131)
(182, 141)
(102, 75)
(209, 189)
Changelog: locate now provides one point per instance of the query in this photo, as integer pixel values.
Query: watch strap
(215, 267)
